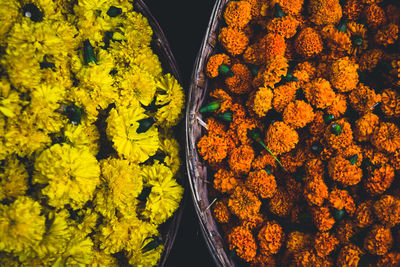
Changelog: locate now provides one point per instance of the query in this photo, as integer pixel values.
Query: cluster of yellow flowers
(88, 159)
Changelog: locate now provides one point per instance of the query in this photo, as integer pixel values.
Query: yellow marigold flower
(261, 183)
(344, 76)
(308, 43)
(237, 14)
(325, 11)
(272, 72)
(8, 16)
(243, 203)
(10, 103)
(298, 114)
(171, 99)
(71, 175)
(170, 148)
(233, 40)
(365, 126)
(13, 179)
(319, 93)
(386, 137)
(349, 256)
(83, 136)
(379, 240)
(165, 195)
(281, 138)
(241, 240)
(22, 225)
(261, 101)
(298, 241)
(146, 60)
(101, 259)
(390, 104)
(123, 125)
(387, 210)
(78, 251)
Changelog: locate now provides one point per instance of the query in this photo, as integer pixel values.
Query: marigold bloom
(292, 7)
(214, 62)
(390, 104)
(379, 240)
(341, 199)
(254, 222)
(369, 59)
(240, 159)
(339, 43)
(387, 210)
(298, 114)
(271, 45)
(365, 126)
(223, 98)
(233, 40)
(241, 240)
(375, 15)
(298, 241)
(240, 82)
(325, 243)
(13, 179)
(345, 231)
(386, 137)
(243, 203)
(363, 98)
(308, 43)
(281, 138)
(322, 218)
(339, 106)
(343, 139)
(221, 212)
(261, 101)
(315, 192)
(353, 9)
(237, 14)
(305, 71)
(213, 148)
(263, 160)
(364, 215)
(281, 203)
(387, 35)
(344, 76)
(319, 93)
(271, 238)
(283, 95)
(309, 258)
(225, 181)
(325, 11)
(349, 256)
(379, 180)
(318, 125)
(315, 169)
(293, 159)
(342, 171)
(261, 183)
(285, 26)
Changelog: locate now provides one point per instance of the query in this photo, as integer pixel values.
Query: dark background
(184, 23)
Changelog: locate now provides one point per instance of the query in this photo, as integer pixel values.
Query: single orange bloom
(344, 76)
(293, 159)
(223, 98)
(305, 71)
(363, 99)
(241, 240)
(243, 203)
(237, 14)
(213, 148)
(375, 15)
(345, 231)
(285, 26)
(214, 62)
(386, 137)
(322, 218)
(260, 101)
(221, 212)
(341, 199)
(240, 159)
(263, 160)
(298, 114)
(341, 140)
(364, 215)
(271, 238)
(290, 7)
(233, 40)
(365, 126)
(254, 222)
(349, 256)
(225, 181)
(339, 43)
(387, 35)
(319, 93)
(315, 191)
(369, 59)
(315, 169)
(339, 106)
(308, 258)
(317, 127)
(269, 46)
(387, 210)
(353, 9)
(325, 243)
(261, 183)
(392, 259)
(379, 240)
(342, 171)
(390, 104)
(358, 34)
(308, 43)
(325, 11)
(281, 138)
(281, 203)
(379, 180)
(272, 72)
(283, 95)
(240, 82)
(298, 241)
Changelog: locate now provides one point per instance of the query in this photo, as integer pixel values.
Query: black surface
(184, 23)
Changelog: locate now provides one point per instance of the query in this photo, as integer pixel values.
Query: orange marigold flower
(386, 137)
(221, 212)
(214, 62)
(315, 168)
(213, 148)
(342, 171)
(243, 203)
(387, 35)
(272, 72)
(375, 15)
(308, 43)
(261, 183)
(298, 241)
(263, 160)
(260, 101)
(387, 210)
(344, 76)
(352, 9)
(341, 199)
(241, 240)
(233, 40)
(395, 160)
(315, 192)
(379, 180)
(358, 33)
(363, 99)
(223, 98)
(283, 95)
(364, 215)
(345, 231)
(325, 243)
(379, 240)
(290, 7)
(242, 128)
(271, 238)
(392, 259)
(390, 104)
(325, 11)
(339, 106)
(281, 138)
(281, 203)
(319, 93)
(254, 222)
(339, 43)
(353, 153)
(322, 218)
(349, 256)
(240, 82)
(305, 71)
(365, 126)
(225, 181)
(293, 159)
(285, 26)
(294, 189)
(237, 14)
(342, 139)
(240, 159)
(256, 6)
(370, 59)
(374, 157)
(307, 258)
(317, 127)
(298, 114)
(269, 46)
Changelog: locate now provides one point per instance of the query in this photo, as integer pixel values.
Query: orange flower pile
(303, 141)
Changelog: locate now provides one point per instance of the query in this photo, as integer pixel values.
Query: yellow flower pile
(88, 160)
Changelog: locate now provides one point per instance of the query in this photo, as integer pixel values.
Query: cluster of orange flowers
(303, 132)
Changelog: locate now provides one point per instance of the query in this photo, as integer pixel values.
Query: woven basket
(197, 168)
(161, 48)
